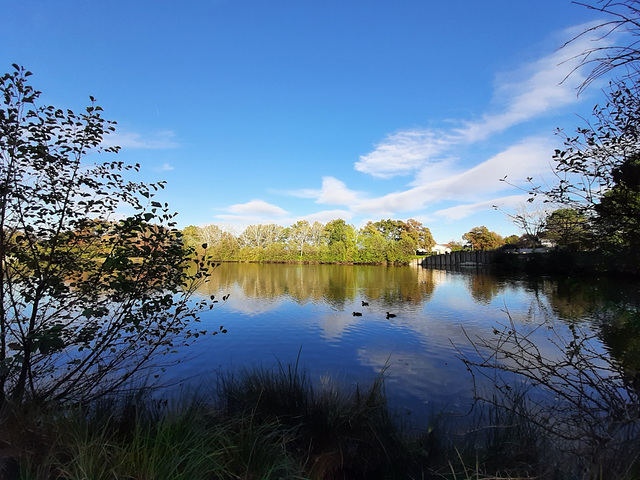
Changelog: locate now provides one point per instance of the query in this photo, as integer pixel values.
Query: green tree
(567, 228)
(585, 167)
(87, 303)
(372, 245)
(401, 251)
(481, 238)
(391, 230)
(511, 240)
(191, 236)
(595, 172)
(618, 212)
(300, 234)
(342, 240)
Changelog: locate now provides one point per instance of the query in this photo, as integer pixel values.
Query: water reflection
(275, 310)
(483, 286)
(336, 285)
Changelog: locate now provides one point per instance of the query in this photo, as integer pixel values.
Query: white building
(440, 249)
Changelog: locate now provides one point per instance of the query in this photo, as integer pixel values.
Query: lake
(276, 312)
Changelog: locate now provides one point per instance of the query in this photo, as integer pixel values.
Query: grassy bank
(268, 424)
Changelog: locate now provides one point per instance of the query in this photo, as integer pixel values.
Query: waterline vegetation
(276, 423)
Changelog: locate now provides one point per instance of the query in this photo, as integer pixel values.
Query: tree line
(384, 241)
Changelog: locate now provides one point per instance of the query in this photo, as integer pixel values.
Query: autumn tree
(481, 238)
(392, 231)
(88, 298)
(420, 234)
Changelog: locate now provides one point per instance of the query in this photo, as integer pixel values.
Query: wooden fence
(458, 259)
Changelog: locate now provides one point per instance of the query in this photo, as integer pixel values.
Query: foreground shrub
(579, 401)
(90, 298)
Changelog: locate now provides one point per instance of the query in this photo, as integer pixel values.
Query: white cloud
(452, 177)
(437, 170)
(123, 139)
(242, 220)
(333, 192)
(389, 204)
(256, 208)
(531, 156)
(440, 182)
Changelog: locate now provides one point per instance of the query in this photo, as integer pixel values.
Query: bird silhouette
(357, 314)
(365, 304)
(390, 315)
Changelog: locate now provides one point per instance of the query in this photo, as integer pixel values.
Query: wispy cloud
(253, 211)
(468, 209)
(281, 216)
(154, 141)
(533, 90)
(165, 167)
(444, 181)
(402, 153)
(327, 215)
(529, 156)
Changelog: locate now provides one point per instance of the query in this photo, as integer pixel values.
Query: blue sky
(273, 112)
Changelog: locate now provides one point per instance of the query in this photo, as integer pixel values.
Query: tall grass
(339, 435)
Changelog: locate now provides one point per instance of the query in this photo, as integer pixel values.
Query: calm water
(276, 311)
